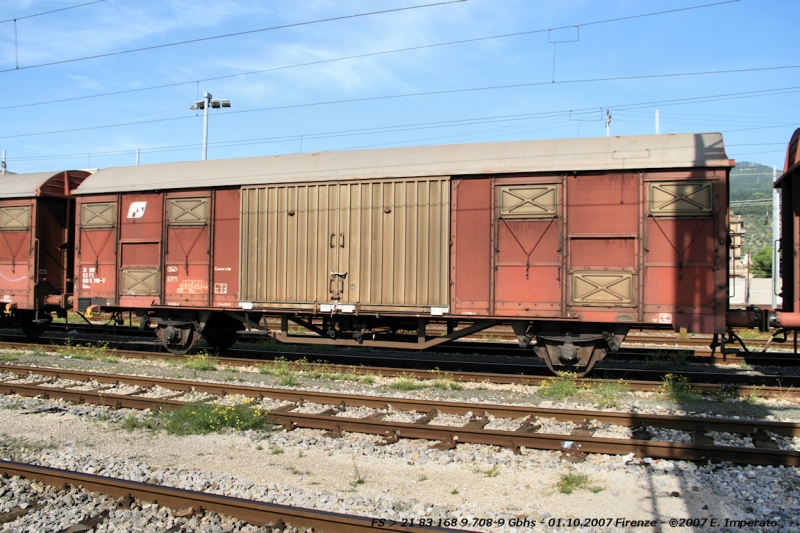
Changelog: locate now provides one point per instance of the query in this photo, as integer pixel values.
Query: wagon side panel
(471, 251)
(225, 259)
(17, 221)
(140, 249)
(685, 256)
(96, 268)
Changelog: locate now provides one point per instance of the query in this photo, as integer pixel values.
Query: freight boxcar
(571, 242)
(37, 216)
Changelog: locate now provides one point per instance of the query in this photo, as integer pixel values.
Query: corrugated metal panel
(560, 155)
(381, 244)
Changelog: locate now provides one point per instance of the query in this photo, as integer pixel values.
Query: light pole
(204, 104)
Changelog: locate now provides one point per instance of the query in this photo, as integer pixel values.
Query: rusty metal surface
(470, 251)
(140, 249)
(557, 155)
(187, 253)
(40, 183)
(17, 257)
(250, 511)
(225, 248)
(97, 225)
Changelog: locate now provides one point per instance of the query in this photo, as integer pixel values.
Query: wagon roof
(560, 155)
(35, 183)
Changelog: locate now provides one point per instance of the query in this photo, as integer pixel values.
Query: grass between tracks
(200, 419)
(572, 481)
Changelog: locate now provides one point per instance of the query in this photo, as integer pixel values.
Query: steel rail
(449, 434)
(688, 423)
(251, 511)
(648, 380)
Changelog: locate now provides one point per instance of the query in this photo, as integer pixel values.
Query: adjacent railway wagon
(571, 242)
(789, 183)
(37, 215)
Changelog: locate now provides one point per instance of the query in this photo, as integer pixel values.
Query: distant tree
(761, 266)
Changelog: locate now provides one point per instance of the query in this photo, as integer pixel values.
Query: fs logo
(136, 210)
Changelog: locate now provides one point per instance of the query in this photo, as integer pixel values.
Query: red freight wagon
(36, 246)
(571, 242)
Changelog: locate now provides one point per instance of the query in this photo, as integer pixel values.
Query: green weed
(490, 472)
(200, 419)
(454, 492)
(572, 481)
(406, 383)
(369, 380)
(679, 390)
(564, 385)
(202, 362)
(358, 479)
(445, 381)
(423, 477)
(608, 393)
(5, 357)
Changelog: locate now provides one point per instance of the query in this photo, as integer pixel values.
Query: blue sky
(271, 114)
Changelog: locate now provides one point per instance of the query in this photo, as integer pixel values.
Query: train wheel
(178, 340)
(34, 328)
(221, 339)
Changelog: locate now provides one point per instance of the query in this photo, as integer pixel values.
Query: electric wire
(49, 12)
(348, 58)
(453, 91)
(235, 34)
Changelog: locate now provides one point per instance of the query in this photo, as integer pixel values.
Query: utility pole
(3, 164)
(204, 104)
(137, 157)
(608, 122)
(658, 122)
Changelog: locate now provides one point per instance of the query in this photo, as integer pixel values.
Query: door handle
(341, 244)
(333, 235)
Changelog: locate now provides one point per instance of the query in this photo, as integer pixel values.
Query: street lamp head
(200, 104)
(216, 104)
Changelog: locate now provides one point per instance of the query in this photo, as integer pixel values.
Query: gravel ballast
(352, 474)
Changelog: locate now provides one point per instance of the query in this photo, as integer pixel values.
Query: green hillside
(753, 182)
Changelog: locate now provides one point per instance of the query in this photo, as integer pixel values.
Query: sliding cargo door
(289, 244)
(378, 245)
(527, 254)
(393, 244)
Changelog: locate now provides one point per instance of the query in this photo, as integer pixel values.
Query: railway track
(250, 511)
(447, 423)
(642, 380)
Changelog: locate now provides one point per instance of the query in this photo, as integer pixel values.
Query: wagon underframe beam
(415, 342)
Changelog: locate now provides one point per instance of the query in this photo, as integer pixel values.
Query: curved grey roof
(24, 185)
(560, 155)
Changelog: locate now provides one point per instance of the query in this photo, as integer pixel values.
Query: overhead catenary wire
(235, 34)
(545, 115)
(358, 56)
(448, 91)
(51, 11)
